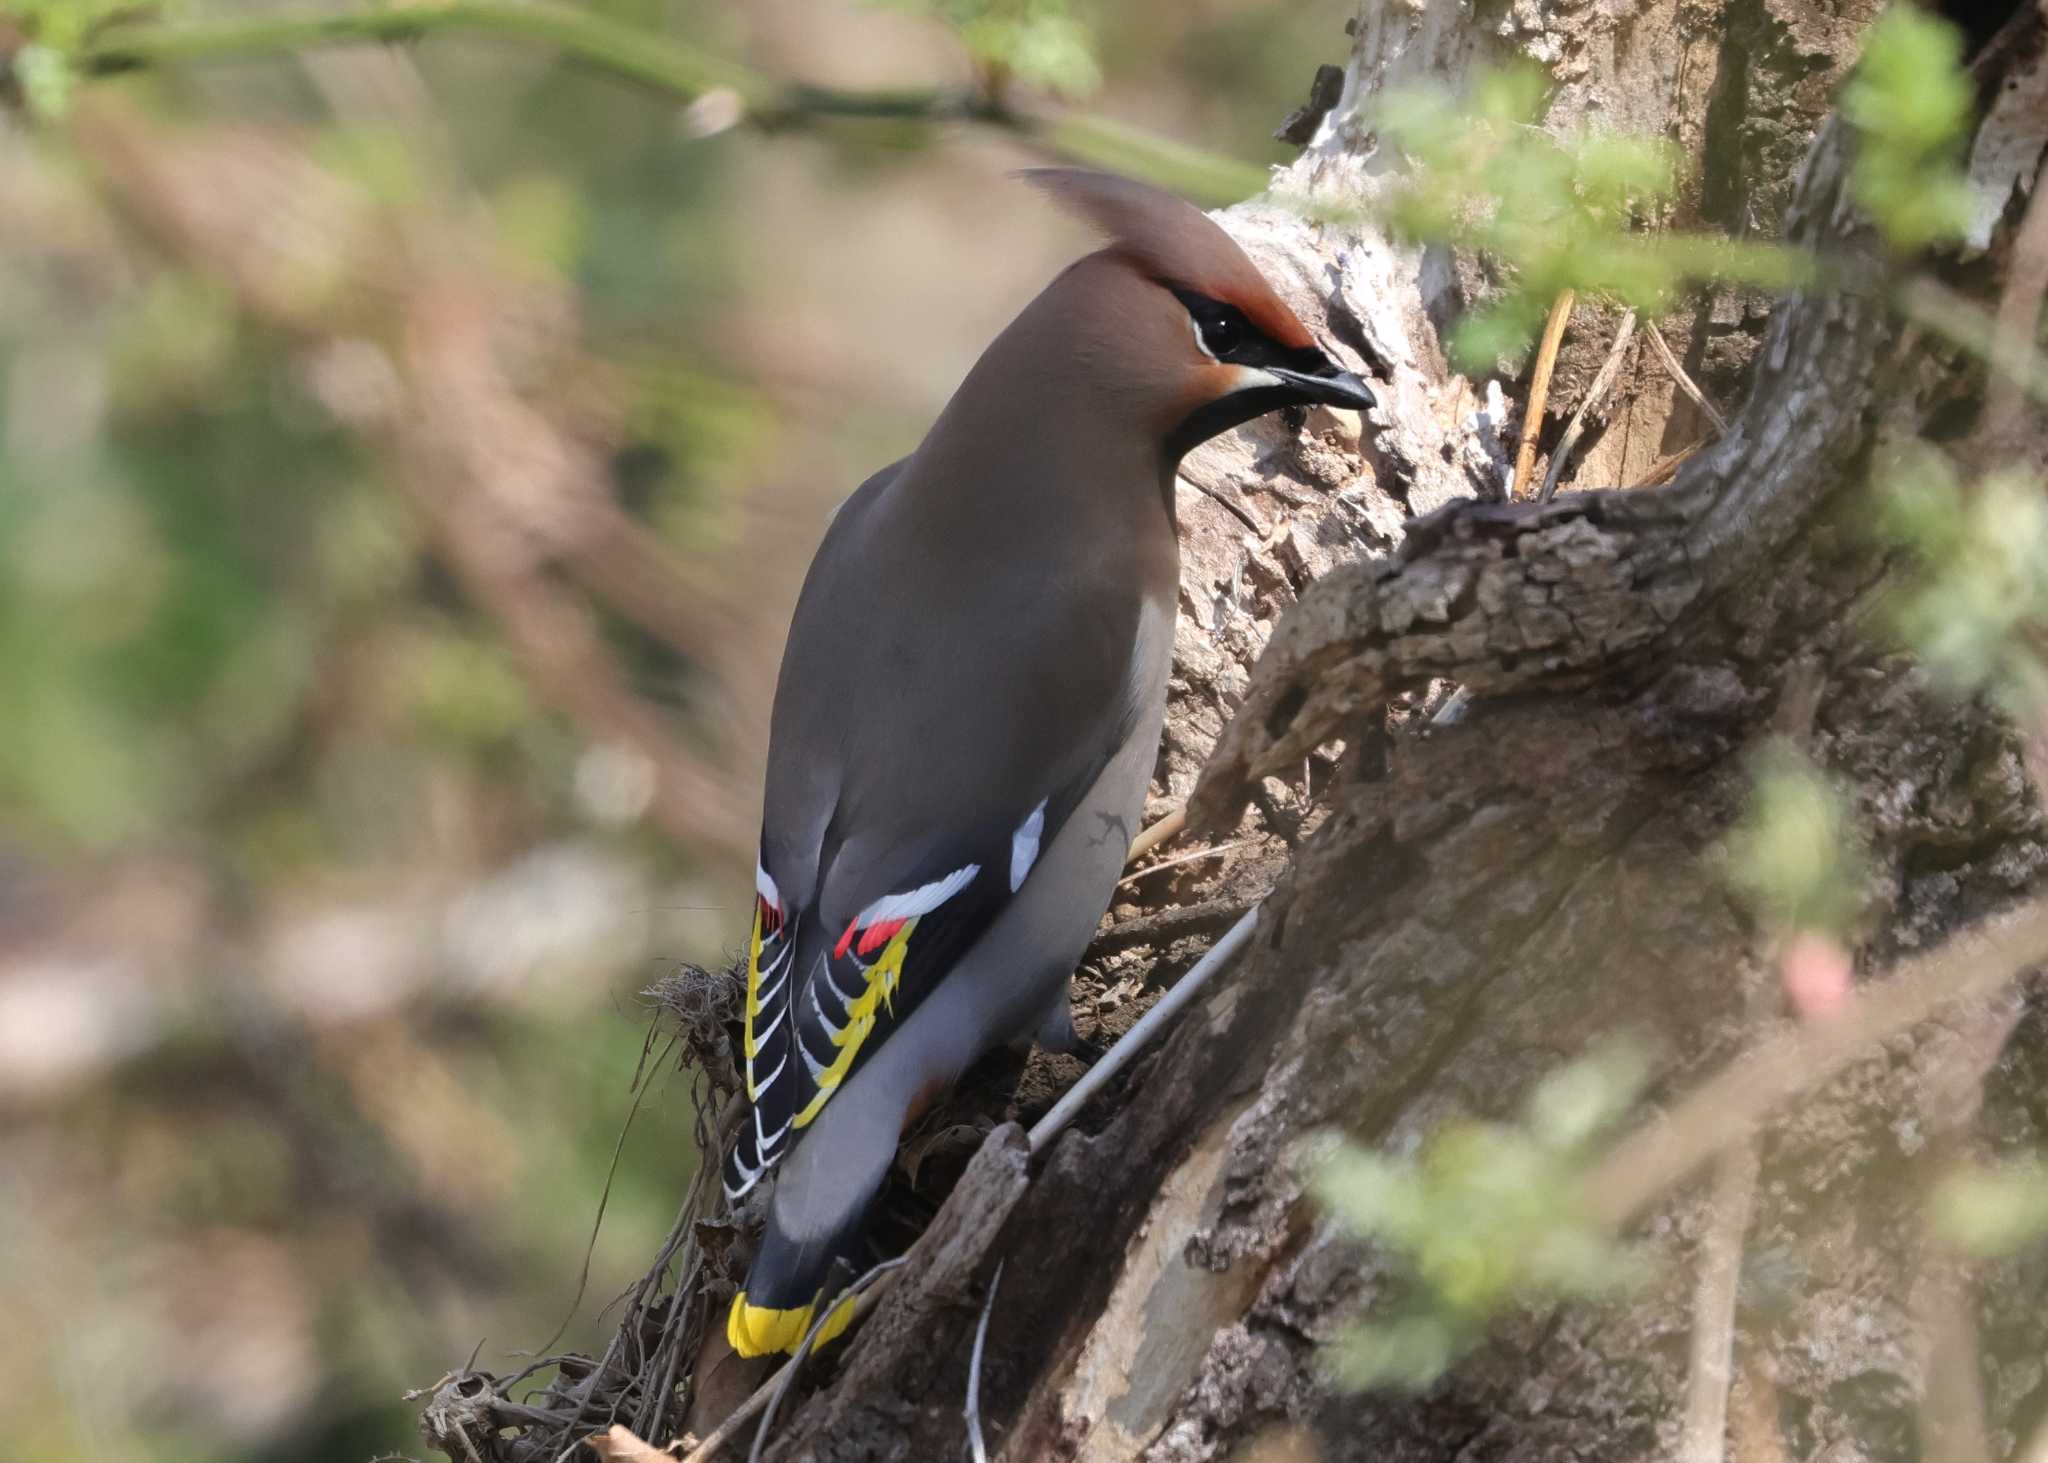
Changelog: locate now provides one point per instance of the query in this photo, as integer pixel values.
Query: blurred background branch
(724, 92)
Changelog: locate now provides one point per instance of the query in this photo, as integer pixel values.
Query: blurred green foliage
(1975, 589)
(1991, 1210)
(1910, 102)
(231, 652)
(1555, 212)
(1485, 1217)
(1794, 857)
(1041, 43)
(243, 679)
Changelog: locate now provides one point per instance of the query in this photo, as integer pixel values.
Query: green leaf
(1555, 211)
(1992, 1210)
(46, 80)
(1976, 589)
(1793, 857)
(1910, 102)
(1483, 1217)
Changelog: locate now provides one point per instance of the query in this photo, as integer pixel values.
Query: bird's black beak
(1330, 387)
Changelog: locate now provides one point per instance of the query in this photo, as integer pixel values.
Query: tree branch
(676, 69)
(1525, 596)
(1726, 1109)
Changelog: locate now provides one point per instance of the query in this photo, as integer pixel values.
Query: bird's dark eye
(1221, 328)
(1222, 331)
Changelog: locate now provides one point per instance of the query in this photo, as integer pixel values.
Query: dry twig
(1169, 925)
(1952, 1414)
(1191, 856)
(2018, 323)
(1665, 468)
(1150, 838)
(769, 1394)
(974, 1439)
(1685, 382)
(1574, 429)
(2036, 1449)
(1148, 1026)
(1539, 393)
(620, 1444)
(1710, 1370)
(785, 1378)
(1711, 1366)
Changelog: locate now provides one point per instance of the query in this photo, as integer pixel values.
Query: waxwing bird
(969, 710)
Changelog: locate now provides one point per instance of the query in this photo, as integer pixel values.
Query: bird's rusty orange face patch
(1265, 309)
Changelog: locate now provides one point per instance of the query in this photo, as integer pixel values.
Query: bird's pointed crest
(1173, 242)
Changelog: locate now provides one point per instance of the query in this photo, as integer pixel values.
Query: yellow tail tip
(838, 1320)
(757, 1330)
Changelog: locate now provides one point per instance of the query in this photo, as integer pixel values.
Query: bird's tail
(789, 1280)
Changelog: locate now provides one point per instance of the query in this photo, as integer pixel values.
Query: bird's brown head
(1182, 319)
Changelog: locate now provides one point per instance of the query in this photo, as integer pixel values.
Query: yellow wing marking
(753, 994)
(883, 978)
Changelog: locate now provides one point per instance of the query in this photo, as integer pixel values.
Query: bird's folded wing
(824, 993)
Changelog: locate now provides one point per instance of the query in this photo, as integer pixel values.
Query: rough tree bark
(1481, 904)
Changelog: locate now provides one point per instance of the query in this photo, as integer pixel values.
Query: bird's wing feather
(890, 845)
(823, 995)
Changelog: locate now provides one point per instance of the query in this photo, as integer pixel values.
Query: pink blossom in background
(1815, 969)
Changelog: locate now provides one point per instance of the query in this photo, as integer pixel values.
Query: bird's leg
(1056, 1032)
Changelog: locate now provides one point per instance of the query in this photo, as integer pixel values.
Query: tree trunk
(1484, 903)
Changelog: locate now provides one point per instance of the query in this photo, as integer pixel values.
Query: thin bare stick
(1184, 858)
(1157, 834)
(1726, 1108)
(1539, 392)
(1936, 308)
(1952, 1414)
(1575, 428)
(1712, 1366)
(656, 59)
(2036, 1449)
(1149, 1025)
(786, 1378)
(2019, 322)
(1665, 468)
(974, 1442)
(1685, 382)
(1754, 1416)
(778, 1381)
(1710, 1371)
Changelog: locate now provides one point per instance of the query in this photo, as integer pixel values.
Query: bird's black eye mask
(1233, 340)
(1276, 375)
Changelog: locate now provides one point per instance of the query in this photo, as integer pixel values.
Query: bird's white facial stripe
(1024, 846)
(1247, 378)
(1200, 344)
(919, 901)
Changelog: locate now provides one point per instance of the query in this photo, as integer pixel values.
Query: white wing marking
(1024, 846)
(919, 901)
